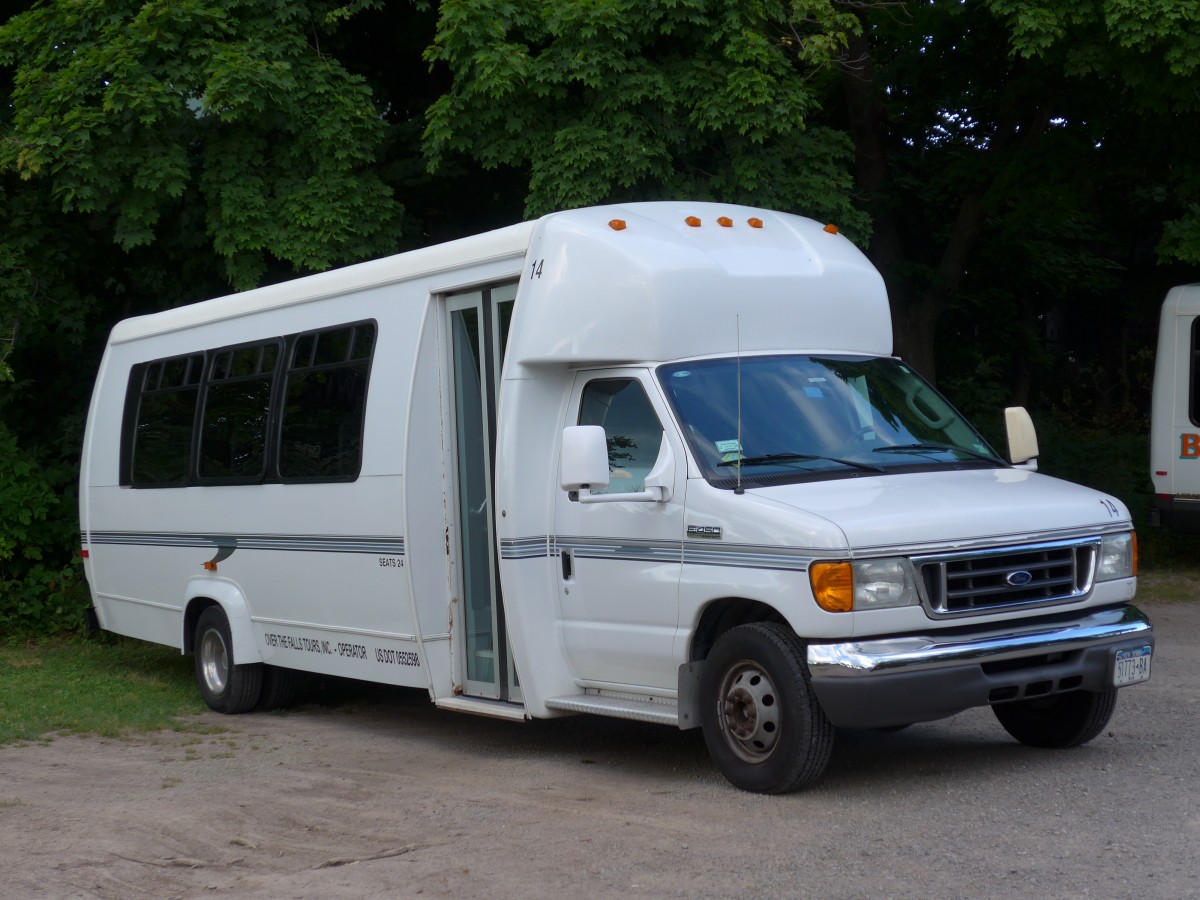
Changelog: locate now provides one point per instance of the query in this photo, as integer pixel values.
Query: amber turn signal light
(832, 586)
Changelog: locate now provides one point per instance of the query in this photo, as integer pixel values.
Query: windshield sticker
(683, 374)
(733, 446)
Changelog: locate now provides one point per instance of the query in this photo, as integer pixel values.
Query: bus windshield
(775, 419)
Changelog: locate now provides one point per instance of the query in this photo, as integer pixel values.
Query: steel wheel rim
(214, 661)
(748, 709)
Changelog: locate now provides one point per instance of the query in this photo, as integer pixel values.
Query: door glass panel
(473, 506)
(631, 427)
(503, 302)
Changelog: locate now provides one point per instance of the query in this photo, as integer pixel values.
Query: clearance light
(617, 224)
(725, 222)
(693, 221)
(755, 223)
(210, 566)
(831, 228)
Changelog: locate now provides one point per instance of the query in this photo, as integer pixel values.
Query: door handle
(568, 565)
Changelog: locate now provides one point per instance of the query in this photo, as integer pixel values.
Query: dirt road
(388, 797)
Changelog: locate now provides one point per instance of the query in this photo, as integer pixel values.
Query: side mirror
(584, 460)
(1022, 438)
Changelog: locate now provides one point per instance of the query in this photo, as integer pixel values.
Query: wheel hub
(214, 662)
(750, 712)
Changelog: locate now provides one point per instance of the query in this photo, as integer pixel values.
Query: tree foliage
(153, 153)
(1144, 57)
(616, 99)
(1019, 159)
(140, 112)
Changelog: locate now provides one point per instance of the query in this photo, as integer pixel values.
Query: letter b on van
(1189, 446)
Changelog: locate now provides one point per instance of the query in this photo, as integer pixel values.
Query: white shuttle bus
(652, 461)
(1175, 413)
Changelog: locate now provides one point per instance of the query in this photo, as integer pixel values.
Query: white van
(1175, 413)
(651, 461)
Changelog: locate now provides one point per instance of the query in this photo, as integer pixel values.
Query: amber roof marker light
(725, 222)
(754, 222)
(693, 221)
(831, 228)
(617, 224)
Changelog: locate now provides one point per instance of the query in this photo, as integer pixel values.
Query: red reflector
(84, 554)
(1160, 473)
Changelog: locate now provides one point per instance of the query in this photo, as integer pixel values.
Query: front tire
(226, 687)
(1063, 720)
(761, 722)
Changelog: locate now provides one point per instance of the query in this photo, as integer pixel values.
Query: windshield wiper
(938, 448)
(797, 457)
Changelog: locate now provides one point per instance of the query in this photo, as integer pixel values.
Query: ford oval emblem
(1019, 578)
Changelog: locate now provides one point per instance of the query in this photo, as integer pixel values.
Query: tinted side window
(1194, 395)
(631, 426)
(325, 396)
(233, 438)
(161, 445)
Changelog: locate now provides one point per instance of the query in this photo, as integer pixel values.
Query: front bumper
(880, 682)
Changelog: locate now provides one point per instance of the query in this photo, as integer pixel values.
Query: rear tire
(226, 687)
(278, 687)
(761, 722)
(1063, 720)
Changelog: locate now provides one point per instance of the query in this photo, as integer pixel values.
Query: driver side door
(620, 561)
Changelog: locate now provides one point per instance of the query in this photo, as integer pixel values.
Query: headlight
(870, 584)
(1118, 556)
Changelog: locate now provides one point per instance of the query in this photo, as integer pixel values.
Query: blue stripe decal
(525, 548)
(311, 543)
(696, 553)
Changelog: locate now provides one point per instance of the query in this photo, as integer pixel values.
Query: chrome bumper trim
(909, 653)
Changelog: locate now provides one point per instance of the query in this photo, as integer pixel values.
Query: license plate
(1132, 666)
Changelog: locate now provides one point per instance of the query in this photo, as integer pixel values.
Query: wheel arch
(723, 614)
(205, 592)
(717, 617)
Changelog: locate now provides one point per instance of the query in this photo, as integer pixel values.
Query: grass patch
(109, 688)
(1168, 586)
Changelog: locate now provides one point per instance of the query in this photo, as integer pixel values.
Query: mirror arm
(650, 495)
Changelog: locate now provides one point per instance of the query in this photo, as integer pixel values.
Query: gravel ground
(388, 797)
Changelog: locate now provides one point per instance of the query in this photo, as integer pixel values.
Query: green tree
(614, 100)
(153, 154)
(138, 113)
(1019, 159)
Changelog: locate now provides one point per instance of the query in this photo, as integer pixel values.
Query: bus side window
(325, 397)
(157, 435)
